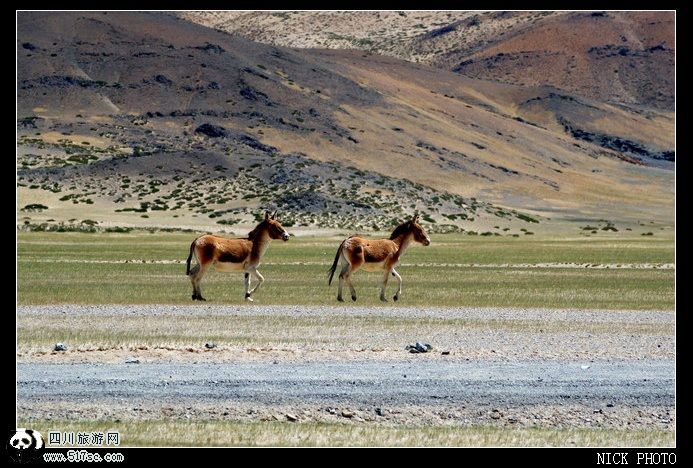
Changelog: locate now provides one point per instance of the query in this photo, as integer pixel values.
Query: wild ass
(234, 254)
(373, 255)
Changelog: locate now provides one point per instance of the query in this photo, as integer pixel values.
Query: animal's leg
(193, 273)
(260, 280)
(246, 282)
(399, 284)
(196, 275)
(351, 286)
(357, 260)
(384, 285)
(342, 276)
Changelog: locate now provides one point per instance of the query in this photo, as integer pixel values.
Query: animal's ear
(415, 218)
(274, 215)
(267, 215)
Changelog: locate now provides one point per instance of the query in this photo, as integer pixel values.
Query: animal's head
(274, 227)
(418, 231)
(413, 228)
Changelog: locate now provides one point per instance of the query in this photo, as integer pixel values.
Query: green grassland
(456, 270)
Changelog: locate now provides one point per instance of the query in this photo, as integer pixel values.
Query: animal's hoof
(194, 297)
(353, 298)
(382, 298)
(200, 298)
(395, 298)
(340, 299)
(248, 299)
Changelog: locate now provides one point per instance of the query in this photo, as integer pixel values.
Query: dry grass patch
(229, 433)
(93, 331)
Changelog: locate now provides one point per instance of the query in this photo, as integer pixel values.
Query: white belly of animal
(229, 266)
(374, 266)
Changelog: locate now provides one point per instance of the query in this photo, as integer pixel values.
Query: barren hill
(146, 119)
(625, 57)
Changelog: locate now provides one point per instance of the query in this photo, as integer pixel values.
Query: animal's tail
(336, 260)
(187, 262)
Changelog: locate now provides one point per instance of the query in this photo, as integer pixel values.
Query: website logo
(24, 445)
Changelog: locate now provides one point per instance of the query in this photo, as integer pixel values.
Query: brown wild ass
(374, 255)
(234, 254)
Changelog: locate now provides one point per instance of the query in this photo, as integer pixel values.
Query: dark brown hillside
(109, 103)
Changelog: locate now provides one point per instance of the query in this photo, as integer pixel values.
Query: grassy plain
(456, 270)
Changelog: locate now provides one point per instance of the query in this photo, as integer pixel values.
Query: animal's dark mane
(252, 234)
(399, 230)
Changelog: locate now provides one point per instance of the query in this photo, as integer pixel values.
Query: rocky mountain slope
(625, 57)
(137, 119)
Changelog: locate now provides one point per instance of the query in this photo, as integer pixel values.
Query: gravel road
(399, 383)
(620, 373)
(253, 309)
(610, 394)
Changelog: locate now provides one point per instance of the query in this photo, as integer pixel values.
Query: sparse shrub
(527, 218)
(35, 207)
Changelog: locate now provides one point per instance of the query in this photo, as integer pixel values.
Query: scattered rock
(291, 417)
(609, 405)
(253, 94)
(379, 412)
(255, 143)
(211, 48)
(445, 353)
(132, 361)
(60, 347)
(584, 367)
(496, 414)
(419, 347)
(213, 131)
(210, 345)
(163, 80)
(348, 414)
